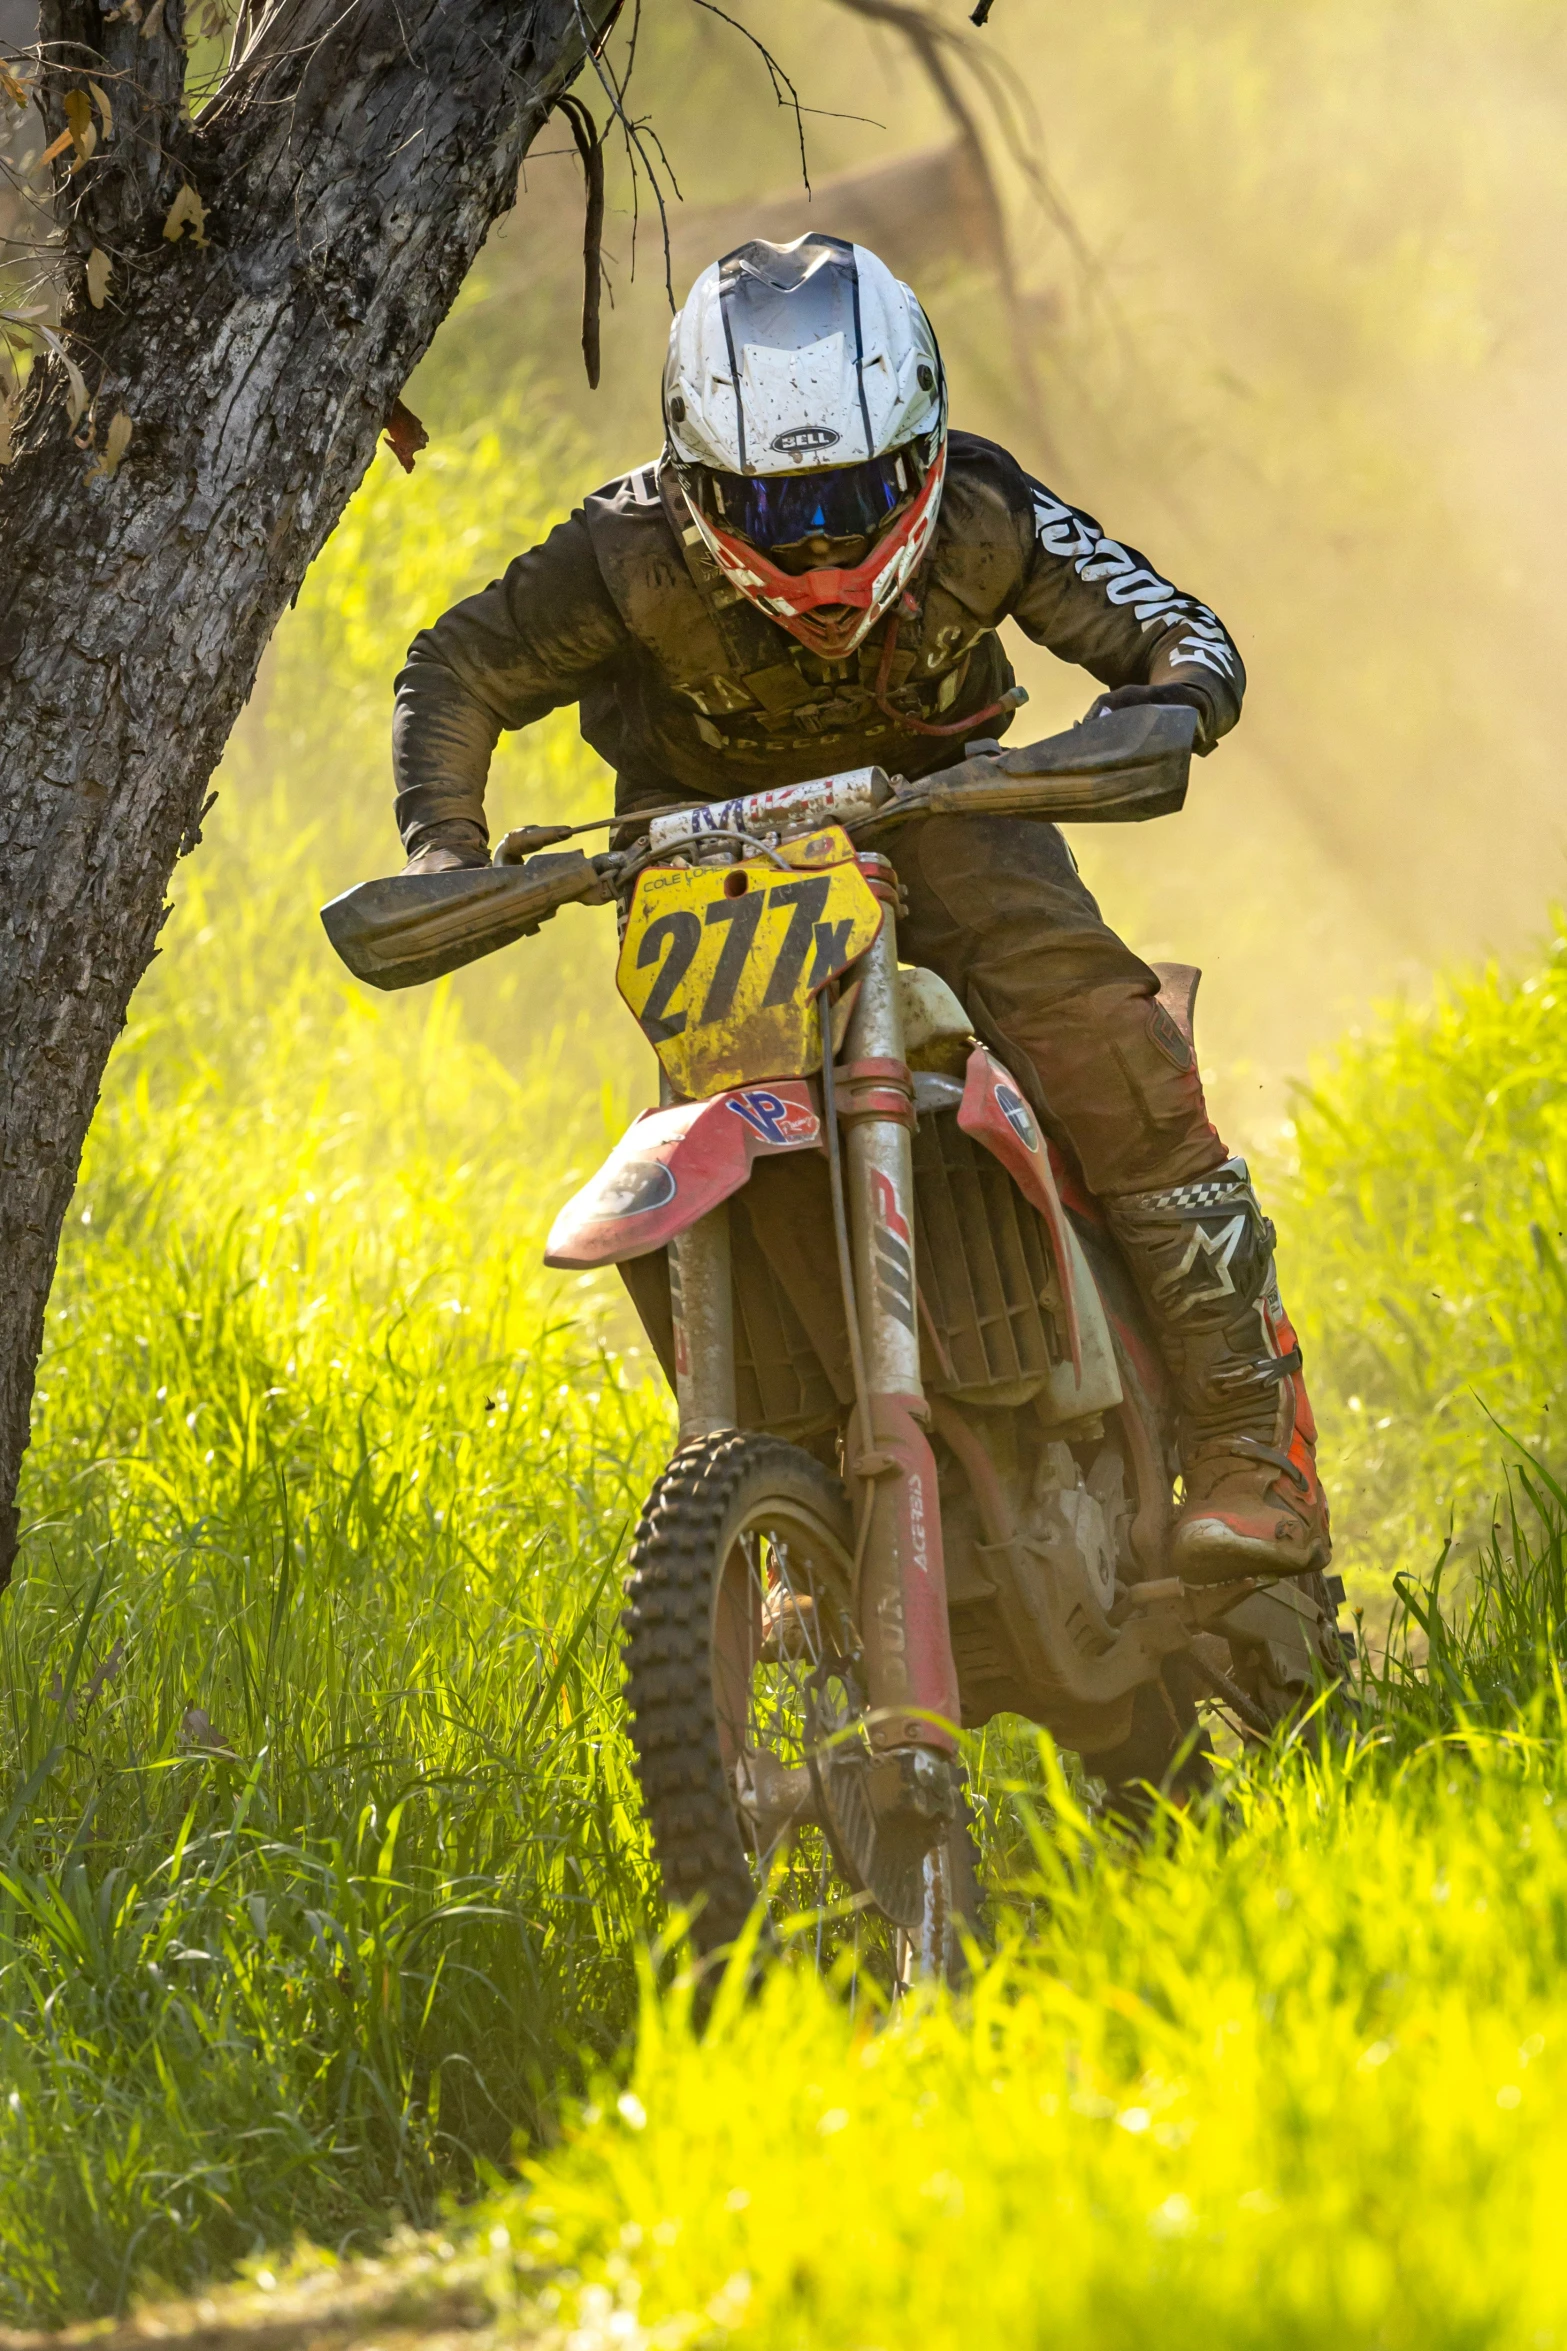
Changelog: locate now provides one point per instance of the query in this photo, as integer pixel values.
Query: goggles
(837, 502)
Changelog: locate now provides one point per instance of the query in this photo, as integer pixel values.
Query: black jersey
(689, 692)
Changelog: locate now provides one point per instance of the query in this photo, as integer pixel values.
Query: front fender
(672, 1165)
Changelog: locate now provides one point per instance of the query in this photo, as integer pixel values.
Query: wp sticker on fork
(722, 965)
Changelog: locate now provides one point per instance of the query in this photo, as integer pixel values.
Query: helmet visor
(783, 510)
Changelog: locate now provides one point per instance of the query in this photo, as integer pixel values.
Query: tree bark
(349, 168)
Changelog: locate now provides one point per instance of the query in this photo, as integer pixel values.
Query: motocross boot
(1202, 1256)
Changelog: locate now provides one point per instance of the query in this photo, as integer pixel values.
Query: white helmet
(806, 409)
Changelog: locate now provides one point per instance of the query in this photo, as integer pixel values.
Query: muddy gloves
(1181, 697)
(1202, 1256)
(443, 847)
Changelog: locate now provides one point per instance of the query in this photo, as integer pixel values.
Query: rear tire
(1332, 1661)
(1166, 1754)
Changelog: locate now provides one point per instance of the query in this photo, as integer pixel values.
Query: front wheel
(746, 1687)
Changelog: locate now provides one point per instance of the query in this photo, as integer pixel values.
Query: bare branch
(632, 132)
(775, 74)
(1019, 126)
(590, 146)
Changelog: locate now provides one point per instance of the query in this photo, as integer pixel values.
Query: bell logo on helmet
(807, 436)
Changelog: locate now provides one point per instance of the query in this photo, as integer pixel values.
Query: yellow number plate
(722, 965)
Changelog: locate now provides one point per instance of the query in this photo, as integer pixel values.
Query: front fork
(701, 1297)
(901, 1591)
(902, 1585)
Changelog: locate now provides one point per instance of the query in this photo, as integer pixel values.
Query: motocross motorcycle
(926, 1460)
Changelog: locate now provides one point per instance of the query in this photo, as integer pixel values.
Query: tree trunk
(348, 169)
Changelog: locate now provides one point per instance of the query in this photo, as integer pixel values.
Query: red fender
(672, 1165)
(994, 1112)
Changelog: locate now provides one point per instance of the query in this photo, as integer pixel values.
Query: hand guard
(1173, 697)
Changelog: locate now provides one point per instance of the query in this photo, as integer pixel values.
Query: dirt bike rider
(810, 579)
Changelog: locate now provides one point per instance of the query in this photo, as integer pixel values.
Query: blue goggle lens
(840, 502)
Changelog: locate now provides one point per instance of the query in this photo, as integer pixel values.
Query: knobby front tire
(741, 1658)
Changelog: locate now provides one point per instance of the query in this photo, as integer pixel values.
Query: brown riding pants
(998, 908)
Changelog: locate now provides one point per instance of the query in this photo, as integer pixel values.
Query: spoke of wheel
(781, 1683)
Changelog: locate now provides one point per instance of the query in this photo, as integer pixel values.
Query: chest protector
(751, 687)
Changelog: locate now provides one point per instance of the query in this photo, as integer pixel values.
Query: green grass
(1424, 1238)
(320, 1863)
(1293, 2073)
(321, 1867)
(1294, 2077)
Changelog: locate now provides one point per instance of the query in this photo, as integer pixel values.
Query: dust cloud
(1283, 305)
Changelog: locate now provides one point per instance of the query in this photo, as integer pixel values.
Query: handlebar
(1117, 769)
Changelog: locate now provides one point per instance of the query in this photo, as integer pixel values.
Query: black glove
(442, 848)
(1181, 697)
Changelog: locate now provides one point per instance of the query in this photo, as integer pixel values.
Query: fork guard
(901, 1592)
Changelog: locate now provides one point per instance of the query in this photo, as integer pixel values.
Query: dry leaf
(12, 84)
(405, 436)
(105, 110)
(58, 148)
(84, 134)
(116, 441)
(186, 212)
(78, 382)
(105, 1674)
(199, 1735)
(97, 276)
(154, 23)
(80, 1700)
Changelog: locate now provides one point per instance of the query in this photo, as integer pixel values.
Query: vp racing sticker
(774, 1119)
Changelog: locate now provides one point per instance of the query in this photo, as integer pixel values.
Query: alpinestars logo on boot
(1219, 1249)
